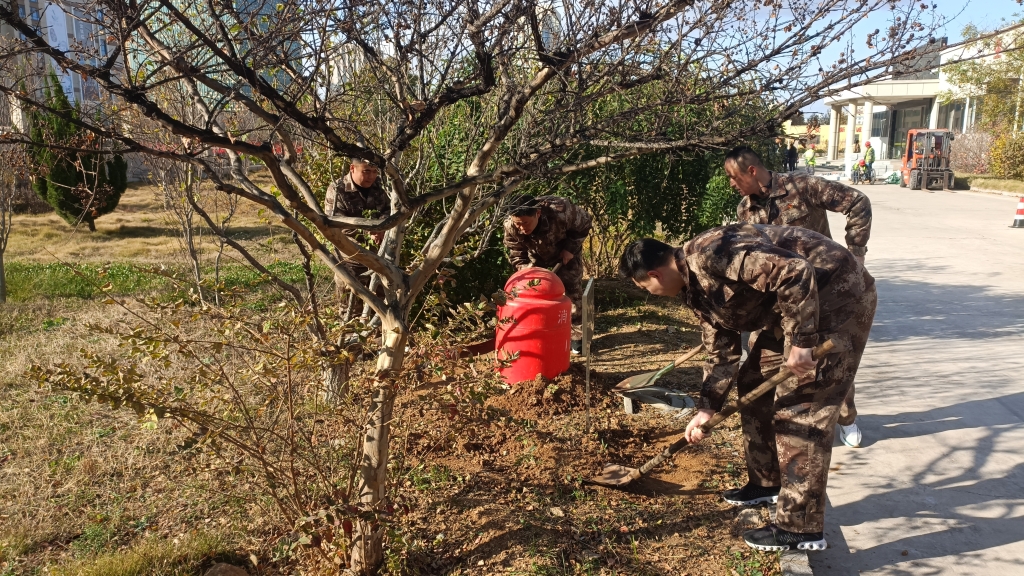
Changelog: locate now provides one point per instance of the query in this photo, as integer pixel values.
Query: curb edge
(795, 563)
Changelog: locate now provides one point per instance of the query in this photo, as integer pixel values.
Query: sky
(985, 14)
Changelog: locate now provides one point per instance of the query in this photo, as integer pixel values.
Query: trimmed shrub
(1006, 158)
(970, 153)
(79, 186)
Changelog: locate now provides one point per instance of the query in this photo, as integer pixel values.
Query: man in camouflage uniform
(803, 288)
(358, 194)
(797, 199)
(546, 231)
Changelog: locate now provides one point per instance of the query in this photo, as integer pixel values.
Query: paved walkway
(938, 487)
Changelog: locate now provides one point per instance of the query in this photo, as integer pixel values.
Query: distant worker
(797, 199)
(547, 231)
(792, 156)
(810, 160)
(869, 160)
(358, 194)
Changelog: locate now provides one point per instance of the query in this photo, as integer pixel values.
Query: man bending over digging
(805, 289)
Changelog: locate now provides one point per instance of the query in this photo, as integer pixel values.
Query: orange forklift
(926, 160)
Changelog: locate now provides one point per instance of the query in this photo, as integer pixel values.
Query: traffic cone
(1018, 220)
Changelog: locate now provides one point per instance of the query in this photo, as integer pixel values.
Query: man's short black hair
(357, 161)
(523, 205)
(744, 157)
(642, 256)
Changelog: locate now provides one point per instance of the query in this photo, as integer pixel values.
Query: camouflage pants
(770, 359)
(793, 430)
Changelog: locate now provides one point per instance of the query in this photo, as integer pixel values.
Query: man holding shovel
(547, 231)
(797, 199)
(802, 288)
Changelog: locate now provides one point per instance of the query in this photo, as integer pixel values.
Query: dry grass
(138, 231)
(87, 490)
(987, 182)
(150, 557)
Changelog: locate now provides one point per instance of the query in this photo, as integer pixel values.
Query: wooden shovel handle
(784, 373)
(675, 363)
(688, 355)
(820, 351)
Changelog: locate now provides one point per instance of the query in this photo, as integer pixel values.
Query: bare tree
(180, 185)
(223, 211)
(13, 180)
(458, 102)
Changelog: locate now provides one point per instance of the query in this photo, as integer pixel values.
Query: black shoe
(576, 347)
(771, 538)
(751, 495)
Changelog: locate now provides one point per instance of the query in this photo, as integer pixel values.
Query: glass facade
(880, 124)
(951, 115)
(904, 119)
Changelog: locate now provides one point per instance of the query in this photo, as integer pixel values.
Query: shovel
(649, 378)
(617, 476)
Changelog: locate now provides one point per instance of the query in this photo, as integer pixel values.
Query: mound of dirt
(541, 398)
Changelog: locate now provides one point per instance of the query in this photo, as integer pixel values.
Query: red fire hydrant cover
(534, 327)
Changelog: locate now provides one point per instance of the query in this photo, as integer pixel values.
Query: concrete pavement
(938, 487)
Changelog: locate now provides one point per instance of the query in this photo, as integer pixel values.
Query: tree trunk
(368, 537)
(92, 225)
(336, 377)
(3, 280)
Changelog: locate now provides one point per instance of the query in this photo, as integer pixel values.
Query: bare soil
(502, 493)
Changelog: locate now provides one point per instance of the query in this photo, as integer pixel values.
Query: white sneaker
(850, 435)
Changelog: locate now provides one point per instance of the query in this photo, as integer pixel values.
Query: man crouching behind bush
(793, 283)
(547, 231)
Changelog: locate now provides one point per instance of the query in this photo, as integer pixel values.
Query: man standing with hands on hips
(798, 199)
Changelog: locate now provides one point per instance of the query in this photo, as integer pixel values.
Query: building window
(880, 124)
(549, 31)
(973, 113)
(951, 116)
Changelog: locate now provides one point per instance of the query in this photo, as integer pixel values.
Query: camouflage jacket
(562, 226)
(797, 199)
(344, 198)
(743, 278)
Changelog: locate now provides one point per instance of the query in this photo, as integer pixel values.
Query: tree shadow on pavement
(938, 487)
(957, 504)
(910, 309)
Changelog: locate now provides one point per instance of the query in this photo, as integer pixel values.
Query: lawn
(989, 182)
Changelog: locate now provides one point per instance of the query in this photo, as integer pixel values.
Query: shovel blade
(639, 381)
(615, 476)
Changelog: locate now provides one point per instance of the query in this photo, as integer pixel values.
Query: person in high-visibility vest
(810, 160)
(869, 159)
